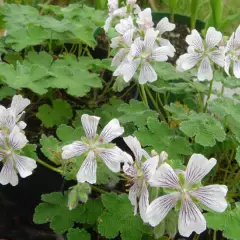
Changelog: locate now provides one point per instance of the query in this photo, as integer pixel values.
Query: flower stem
(97, 189)
(209, 95)
(222, 90)
(144, 96)
(214, 235)
(49, 166)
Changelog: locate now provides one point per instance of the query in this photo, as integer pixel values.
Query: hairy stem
(209, 95)
(49, 166)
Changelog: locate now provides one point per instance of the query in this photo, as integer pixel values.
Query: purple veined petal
(111, 131)
(112, 5)
(133, 194)
(90, 124)
(160, 54)
(144, 202)
(160, 207)
(145, 18)
(147, 73)
(145, 154)
(227, 64)
(237, 37)
(218, 56)
(124, 25)
(130, 170)
(213, 196)
(163, 157)
(236, 68)
(7, 118)
(19, 104)
(119, 57)
(189, 60)
(22, 125)
(75, 149)
(8, 173)
(230, 44)
(115, 42)
(135, 147)
(149, 39)
(165, 26)
(137, 47)
(88, 169)
(24, 165)
(165, 177)
(136, 8)
(198, 167)
(190, 218)
(165, 42)
(120, 12)
(149, 167)
(129, 68)
(205, 71)
(17, 139)
(127, 37)
(112, 157)
(195, 40)
(213, 37)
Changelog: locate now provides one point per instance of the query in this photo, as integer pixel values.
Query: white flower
(140, 172)
(144, 19)
(165, 26)
(232, 51)
(95, 146)
(9, 117)
(200, 53)
(141, 55)
(10, 146)
(186, 188)
(125, 25)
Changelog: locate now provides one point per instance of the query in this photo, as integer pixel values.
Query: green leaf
(29, 150)
(6, 91)
(238, 155)
(206, 129)
(162, 138)
(117, 219)
(178, 111)
(136, 112)
(228, 222)
(60, 112)
(78, 234)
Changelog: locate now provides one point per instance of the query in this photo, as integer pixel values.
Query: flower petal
(137, 47)
(165, 42)
(160, 54)
(75, 149)
(145, 18)
(19, 104)
(135, 147)
(147, 73)
(190, 218)
(90, 124)
(189, 60)
(165, 177)
(198, 167)
(22, 125)
(236, 69)
(227, 64)
(213, 196)
(237, 37)
(149, 39)
(165, 26)
(17, 139)
(124, 25)
(218, 56)
(133, 194)
(88, 169)
(205, 70)
(159, 208)
(213, 37)
(24, 165)
(119, 57)
(111, 131)
(111, 157)
(107, 23)
(230, 44)
(149, 167)
(7, 118)
(143, 202)
(115, 42)
(195, 40)
(8, 173)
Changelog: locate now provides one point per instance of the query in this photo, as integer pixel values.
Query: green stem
(209, 95)
(222, 90)
(214, 235)
(144, 96)
(50, 44)
(49, 166)
(194, 8)
(97, 189)
(155, 104)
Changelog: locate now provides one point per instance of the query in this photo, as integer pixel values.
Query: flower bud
(73, 198)
(163, 156)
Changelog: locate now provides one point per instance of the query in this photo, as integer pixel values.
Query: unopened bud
(73, 198)
(153, 153)
(163, 156)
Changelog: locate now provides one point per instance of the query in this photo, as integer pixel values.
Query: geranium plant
(150, 148)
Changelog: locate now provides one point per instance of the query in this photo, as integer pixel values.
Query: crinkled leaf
(6, 91)
(78, 234)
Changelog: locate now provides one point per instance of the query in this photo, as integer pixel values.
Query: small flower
(141, 55)
(9, 117)
(95, 146)
(140, 173)
(201, 54)
(165, 26)
(186, 188)
(144, 19)
(10, 146)
(232, 51)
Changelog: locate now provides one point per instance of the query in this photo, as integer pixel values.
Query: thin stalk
(50, 44)
(79, 49)
(144, 96)
(97, 189)
(194, 8)
(129, 89)
(209, 95)
(155, 104)
(172, 6)
(49, 166)
(153, 5)
(222, 89)
(214, 235)
(217, 10)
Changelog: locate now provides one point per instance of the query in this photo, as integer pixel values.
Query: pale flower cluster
(12, 141)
